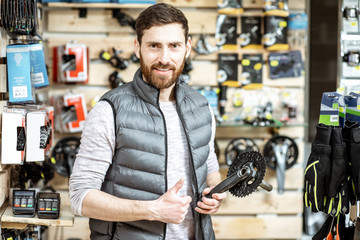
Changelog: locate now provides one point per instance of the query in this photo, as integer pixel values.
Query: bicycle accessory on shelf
(275, 33)
(124, 19)
(24, 203)
(64, 154)
(203, 47)
(21, 17)
(281, 153)
(229, 6)
(245, 174)
(285, 65)
(352, 58)
(225, 33)
(250, 37)
(276, 7)
(48, 205)
(115, 79)
(238, 146)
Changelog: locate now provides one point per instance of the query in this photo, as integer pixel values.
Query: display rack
(66, 219)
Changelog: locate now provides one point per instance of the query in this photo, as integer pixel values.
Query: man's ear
(137, 47)
(188, 47)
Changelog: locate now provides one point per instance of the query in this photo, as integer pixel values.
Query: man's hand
(170, 207)
(210, 205)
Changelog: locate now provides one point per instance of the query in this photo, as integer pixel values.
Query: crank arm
(231, 181)
(266, 186)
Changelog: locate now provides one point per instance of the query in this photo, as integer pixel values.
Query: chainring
(256, 162)
(238, 146)
(292, 152)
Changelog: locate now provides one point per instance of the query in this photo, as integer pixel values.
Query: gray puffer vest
(138, 169)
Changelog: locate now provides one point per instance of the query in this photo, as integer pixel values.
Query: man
(147, 156)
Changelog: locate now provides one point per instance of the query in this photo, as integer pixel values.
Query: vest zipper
(166, 153)
(192, 165)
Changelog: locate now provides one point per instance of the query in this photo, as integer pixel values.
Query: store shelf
(66, 219)
(95, 5)
(276, 125)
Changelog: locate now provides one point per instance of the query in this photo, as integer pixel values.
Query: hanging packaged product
(297, 31)
(352, 102)
(39, 77)
(49, 123)
(350, 53)
(252, 70)
(70, 112)
(36, 136)
(333, 109)
(13, 130)
(226, 32)
(350, 16)
(18, 69)
(229, 6)
(212, 97)
(276, 8)
(71, 63)
(227, 73)
(285, 65)
(250, 37)
(275, 37)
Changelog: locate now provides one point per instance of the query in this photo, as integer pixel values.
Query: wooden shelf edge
(95, 5)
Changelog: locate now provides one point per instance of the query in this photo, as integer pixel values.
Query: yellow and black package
(250, 36)
(276, 8)
(252, 70)
(229, 6)
(226, 32)
(227, 74)
(275, 33)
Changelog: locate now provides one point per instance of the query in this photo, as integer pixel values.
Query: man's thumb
(178, 185)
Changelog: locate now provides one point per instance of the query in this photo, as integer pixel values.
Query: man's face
(162, 54)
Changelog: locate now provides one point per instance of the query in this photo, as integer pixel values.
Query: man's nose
(164, 57)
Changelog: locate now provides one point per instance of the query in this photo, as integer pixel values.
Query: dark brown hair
(158, 15)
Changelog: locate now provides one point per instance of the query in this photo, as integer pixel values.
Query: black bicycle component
(244, 176)
(64, 154)
(48, 205)
(350, 13)
(352, 58)
(281, 153)
(203, 47)
(124, 19)
(187, 68)
(115, 79)
(238, 146)
(24, 202)
(283, 145)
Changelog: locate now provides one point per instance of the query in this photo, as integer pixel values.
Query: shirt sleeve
(94, 156)
(212, 161)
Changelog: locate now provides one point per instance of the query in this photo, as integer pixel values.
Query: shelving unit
(261, 215)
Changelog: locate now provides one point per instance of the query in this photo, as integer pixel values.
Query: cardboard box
(13, 125)
(72, 63)
(34, 122)
(39, 77)
(18, 69)
(78, 101)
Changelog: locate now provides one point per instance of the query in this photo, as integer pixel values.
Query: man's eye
(153, 45)
(175, 46)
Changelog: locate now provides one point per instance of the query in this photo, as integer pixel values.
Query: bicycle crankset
(245, 174)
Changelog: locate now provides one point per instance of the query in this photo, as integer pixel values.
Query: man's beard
(160, 82)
